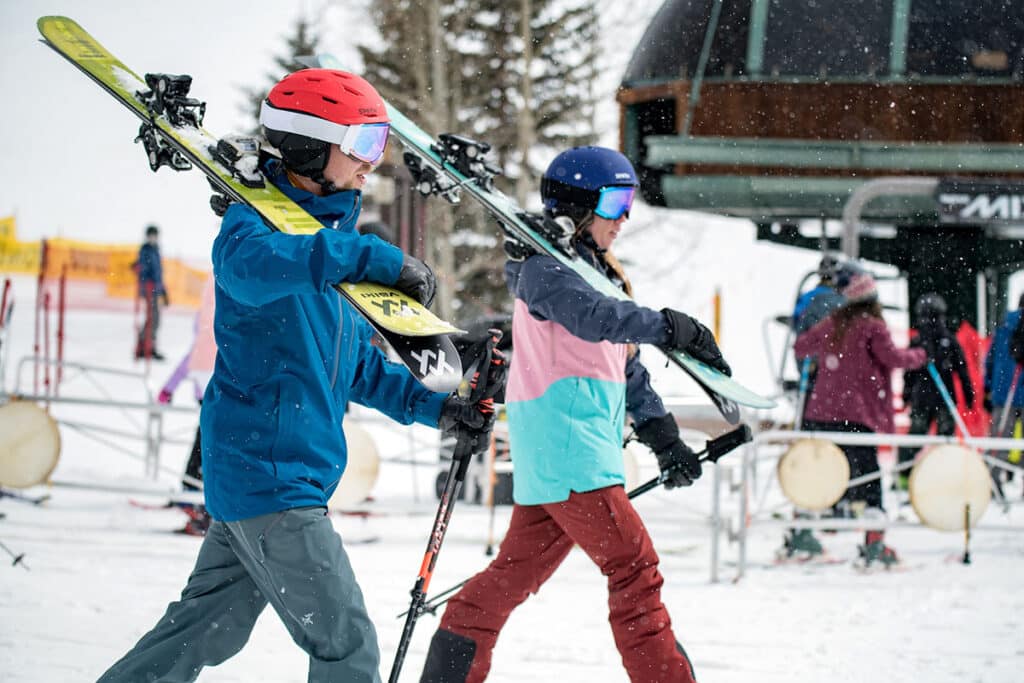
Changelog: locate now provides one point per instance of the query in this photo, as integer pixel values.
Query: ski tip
(43, 22)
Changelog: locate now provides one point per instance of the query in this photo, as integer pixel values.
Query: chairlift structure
(902, 118)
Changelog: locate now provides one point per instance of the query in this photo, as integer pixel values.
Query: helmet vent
(328, 99)
(352, 90)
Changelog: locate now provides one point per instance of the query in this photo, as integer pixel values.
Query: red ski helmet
(309, 110)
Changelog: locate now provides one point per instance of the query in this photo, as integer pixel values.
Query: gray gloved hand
(675, 458)
(416, 279)
(689, 335)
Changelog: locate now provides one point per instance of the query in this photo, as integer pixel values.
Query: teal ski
(450, 165)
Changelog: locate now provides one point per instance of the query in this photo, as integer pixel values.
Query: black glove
(166, 300)
(986, 402)
(416, 279)
(463, 418)
(686, 334)
(661, 435)
(472, 416)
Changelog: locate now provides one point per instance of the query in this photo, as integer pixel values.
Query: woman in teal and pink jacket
(574, 377)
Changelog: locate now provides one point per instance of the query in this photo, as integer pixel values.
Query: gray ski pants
(292, 559)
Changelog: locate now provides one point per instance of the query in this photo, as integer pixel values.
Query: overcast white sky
(68, 166)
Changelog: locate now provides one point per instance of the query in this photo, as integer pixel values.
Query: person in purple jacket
(853, 390)
(574, 377)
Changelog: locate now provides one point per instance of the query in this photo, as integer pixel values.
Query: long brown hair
(845, 316)
(613, 263)
(609, 258)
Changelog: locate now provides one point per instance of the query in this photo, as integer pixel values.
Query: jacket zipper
(337, 341)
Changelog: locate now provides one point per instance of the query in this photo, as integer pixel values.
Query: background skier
(816, 304)
(290, 353)
(919, 390)
(575, 375)
(150, 275)
(853, 391)
(1004, 395)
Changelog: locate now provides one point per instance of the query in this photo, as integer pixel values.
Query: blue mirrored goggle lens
(615, 202)
(370, 143)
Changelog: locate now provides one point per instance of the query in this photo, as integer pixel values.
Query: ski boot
(449, 659)
(799, 545)
(198, 523)
(875, 552)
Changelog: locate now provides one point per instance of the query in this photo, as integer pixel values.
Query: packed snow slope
(101, 570)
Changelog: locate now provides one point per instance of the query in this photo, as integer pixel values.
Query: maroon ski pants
(605, 525)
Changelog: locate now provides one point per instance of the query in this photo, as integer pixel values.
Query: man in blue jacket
(150, 275)
(291, 354)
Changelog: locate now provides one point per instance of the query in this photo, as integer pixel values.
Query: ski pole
(1003, 417)
(492, 482)
(805, 378)
(466, 445)
(18, 559)
(951, 406)
(713, 450)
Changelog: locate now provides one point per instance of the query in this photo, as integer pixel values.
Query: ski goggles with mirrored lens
(362, 141)
(614, 202)
(365, 141)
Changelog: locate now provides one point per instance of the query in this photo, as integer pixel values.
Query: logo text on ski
(395, 308)
(425, 357)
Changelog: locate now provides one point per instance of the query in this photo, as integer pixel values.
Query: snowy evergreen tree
(516, 74)
(536, 71)
(303, 41)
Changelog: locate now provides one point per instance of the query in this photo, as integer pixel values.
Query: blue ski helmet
(585, 179)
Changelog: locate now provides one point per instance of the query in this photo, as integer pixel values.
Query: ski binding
(467, 156)
(168, 96)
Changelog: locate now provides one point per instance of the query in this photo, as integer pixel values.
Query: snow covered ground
(102, 570)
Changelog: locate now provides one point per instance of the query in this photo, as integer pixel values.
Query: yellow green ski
(173, 136)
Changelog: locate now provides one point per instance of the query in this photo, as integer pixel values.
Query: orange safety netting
(99, 276)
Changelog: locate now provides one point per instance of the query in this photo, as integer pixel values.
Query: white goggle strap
(304, 124)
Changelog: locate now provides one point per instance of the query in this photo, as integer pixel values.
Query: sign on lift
(980, 201)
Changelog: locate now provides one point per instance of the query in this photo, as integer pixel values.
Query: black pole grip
(718, 447)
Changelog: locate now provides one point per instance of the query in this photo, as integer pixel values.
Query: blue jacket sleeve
(390, 388)
(642, 402)
(257, 265)
(552, 291)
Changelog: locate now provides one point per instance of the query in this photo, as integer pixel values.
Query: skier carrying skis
(919, 389)
(575, 375)
(290, 354)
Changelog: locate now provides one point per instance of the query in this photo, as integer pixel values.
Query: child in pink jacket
(853, 389)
